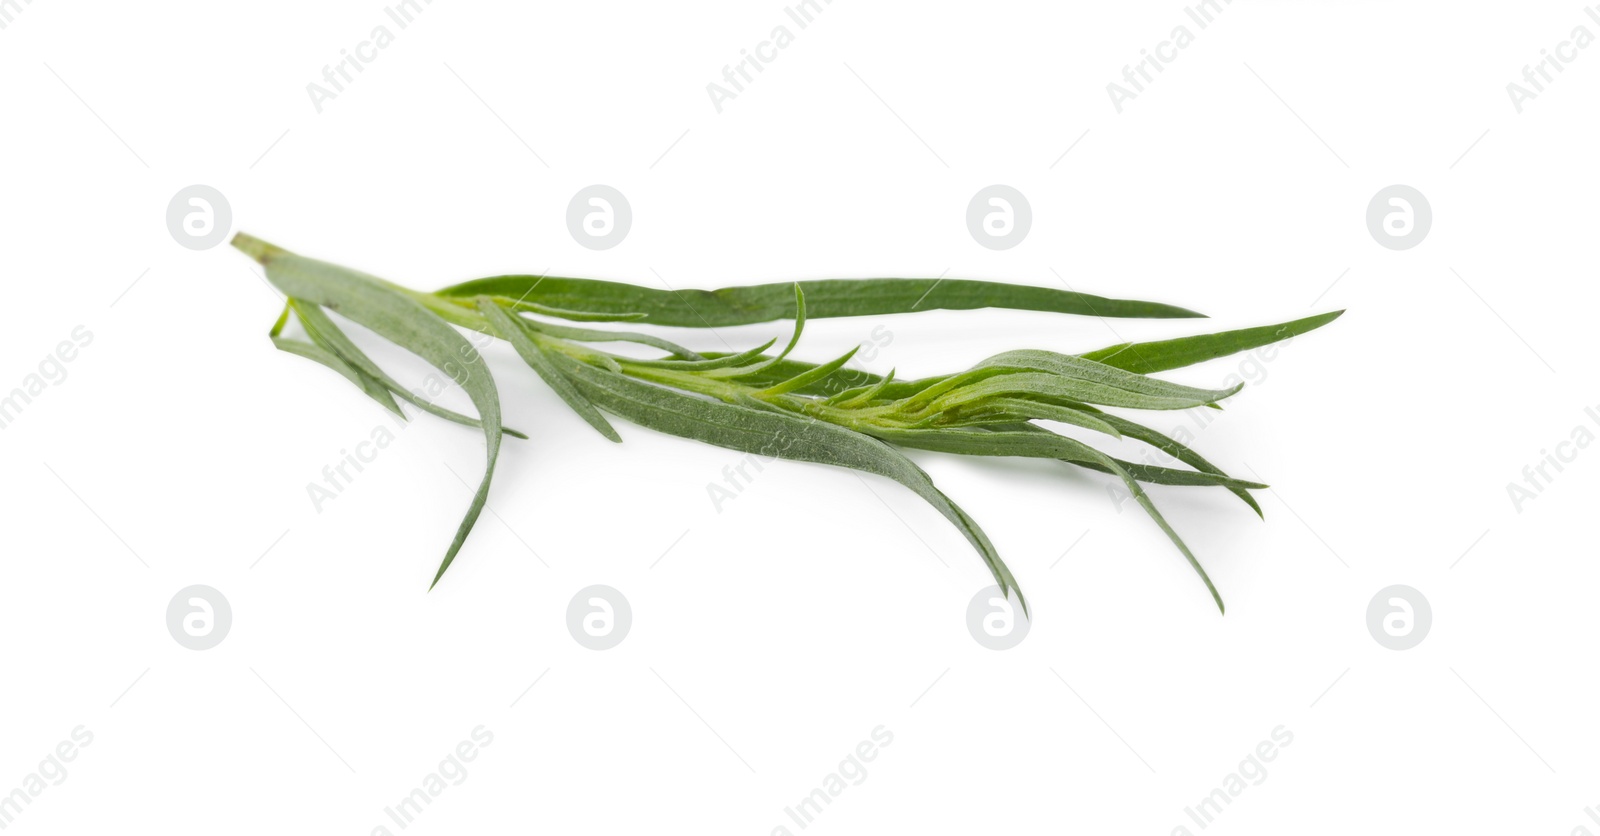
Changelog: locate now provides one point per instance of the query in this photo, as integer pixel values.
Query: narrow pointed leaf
(1049, 387)
(707, 364)
(855, 397)
(405, 322)
(323, 329)
(827, 298)
(374, 389)
(1162, 355)
(794, 340)
(563, 313)
(595, 335)
(1079, 368)
(1154, 474)
(544, 365)
(1053, 412)
(777, 434)
(1044, 444)
(806, 378)
(1178, 451)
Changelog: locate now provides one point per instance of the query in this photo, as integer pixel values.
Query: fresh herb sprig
(765, 402)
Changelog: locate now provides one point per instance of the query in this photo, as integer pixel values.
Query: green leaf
(1042, 443)
(1052, 387)
(806, 378)
(563, 313)
(1180, 452)
(511, 330)
(595, 335)
(283, 319)
(707, 364)
(405, 322)
(777, 434)
(829, 386)
(1160, 356)
(794, 340)
(1021, 408)
(323, 330)
(827, 298)
(1078, 368)
(374, 389)
(1154, 474)
(854, 397)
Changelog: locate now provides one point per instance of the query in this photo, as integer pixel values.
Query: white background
(775, 635)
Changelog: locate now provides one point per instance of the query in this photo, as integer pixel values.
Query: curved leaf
(1162, 355)
(510, 329)
(374, 389)
(596, 335)
(826, 298)
(1047, 387)
(327, 333)
(1044, 444)
(777, 434)
(1178, 451)
(405, 322)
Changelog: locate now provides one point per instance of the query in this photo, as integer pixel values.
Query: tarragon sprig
(765, 402)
